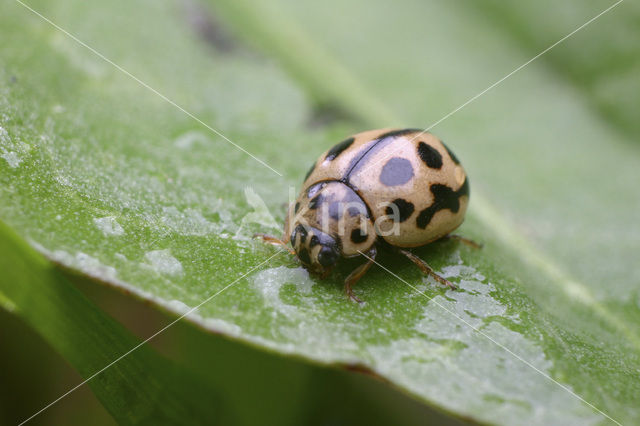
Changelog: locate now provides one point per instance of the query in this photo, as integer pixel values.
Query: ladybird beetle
(400, 188)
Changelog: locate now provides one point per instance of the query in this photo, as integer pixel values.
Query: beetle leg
(357, 273)
(274, 241)
(464, 240)
(426, 269)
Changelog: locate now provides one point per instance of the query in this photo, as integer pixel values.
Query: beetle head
(317, 250)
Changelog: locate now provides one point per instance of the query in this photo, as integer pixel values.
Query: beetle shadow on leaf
(436, 254)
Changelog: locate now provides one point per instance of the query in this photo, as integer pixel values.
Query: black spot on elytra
(429, 155)
(405, 209)
(314, 189)
(355, 211)
(316, 202)
(314, 241)
(464, 189)
(303, 255)
(451, 154)
(443, 198)
(337, 149)
(397, 171)
(371, 149)
(400, 132)
(358, 236)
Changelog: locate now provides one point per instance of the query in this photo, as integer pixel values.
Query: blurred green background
(120, 211)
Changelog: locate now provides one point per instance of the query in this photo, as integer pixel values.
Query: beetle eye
(327, 257)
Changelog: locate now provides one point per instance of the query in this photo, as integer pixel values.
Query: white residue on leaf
(5, 140)
(260, 214)
(93, 267)
(214, 324)
(12, 159)
(455, 271)
(288, 293)
(109, 226)
(63, 180)
(10, 149)
(188, 139)
(221, 326)
(270, 281)
(463, 346)
(178, 306)
(163, 262)
(121, 257)
(86, 263)
(188, 222)
(473, 304)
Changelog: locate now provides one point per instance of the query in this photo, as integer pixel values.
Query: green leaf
(103, 175)
(604, 72)
(91, 341)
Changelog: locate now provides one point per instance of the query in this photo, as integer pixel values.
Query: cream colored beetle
(403, 187)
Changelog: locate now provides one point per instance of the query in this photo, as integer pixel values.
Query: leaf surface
(105, 176)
